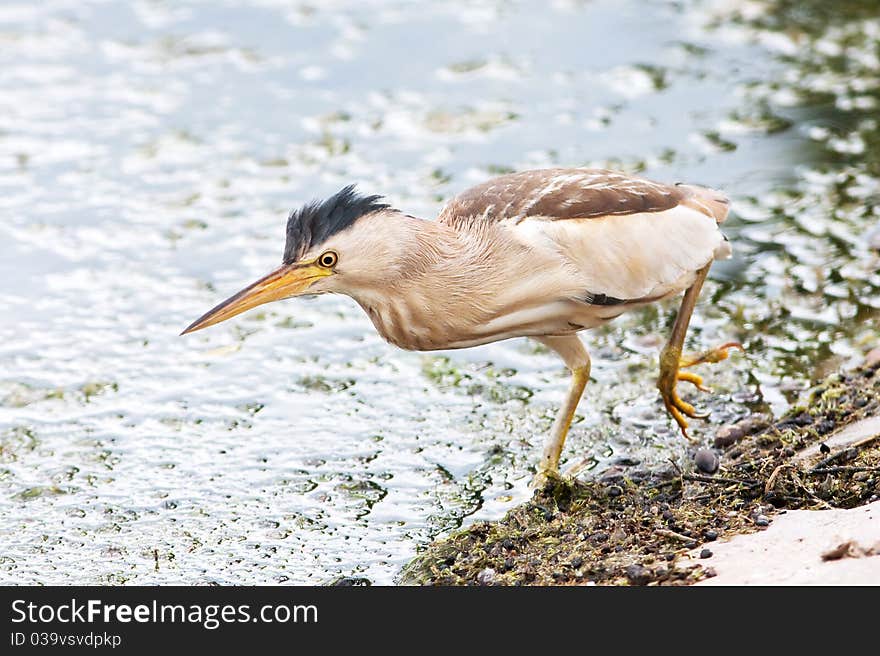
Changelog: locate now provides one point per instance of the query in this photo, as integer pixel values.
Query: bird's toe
(694, 379)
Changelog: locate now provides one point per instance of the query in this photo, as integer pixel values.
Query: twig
(718, 479)
(865, 441)
(848, 449)
(842, 468)
(771, 481)
(665, 532)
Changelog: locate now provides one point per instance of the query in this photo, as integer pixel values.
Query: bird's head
(338, 245)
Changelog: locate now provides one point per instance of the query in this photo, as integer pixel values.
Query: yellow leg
(671, 361)
(556, 440)
(576, 358)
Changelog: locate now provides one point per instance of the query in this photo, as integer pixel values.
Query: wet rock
(706, 461)
(735, 432)
(349, 581)
(486, 576)
(762, 520)
(798, 421)
(706, 553)
(824, 426)
(637, 574)
(873, 357)
(710, 535)
(611, 476)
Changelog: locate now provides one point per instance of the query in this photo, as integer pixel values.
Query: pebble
(507, 543)
(706, 461)
(706, 553)
(711, 535)
(731, 434)
(486, 576)
(762, 520)
(637, 574)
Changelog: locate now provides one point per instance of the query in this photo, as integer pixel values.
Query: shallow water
(149, 153)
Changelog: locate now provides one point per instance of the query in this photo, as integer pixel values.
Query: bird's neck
(439, 288)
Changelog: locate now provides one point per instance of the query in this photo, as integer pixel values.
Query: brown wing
(576, 194)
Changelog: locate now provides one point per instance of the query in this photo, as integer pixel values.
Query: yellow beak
(284, 282)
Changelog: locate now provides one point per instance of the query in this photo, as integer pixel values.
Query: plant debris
(638, 529)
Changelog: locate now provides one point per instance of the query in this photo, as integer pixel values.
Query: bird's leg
(577, 360)
(671, 360)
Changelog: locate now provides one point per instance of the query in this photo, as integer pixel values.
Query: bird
(544, 254)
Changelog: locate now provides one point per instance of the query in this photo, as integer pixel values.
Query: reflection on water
(149, 153)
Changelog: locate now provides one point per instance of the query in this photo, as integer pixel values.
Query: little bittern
(542, 254)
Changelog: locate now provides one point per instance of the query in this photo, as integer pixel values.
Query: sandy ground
(790, 550)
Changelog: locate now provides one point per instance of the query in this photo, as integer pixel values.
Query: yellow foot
(676, 406)
(670, 373)
(544, 477)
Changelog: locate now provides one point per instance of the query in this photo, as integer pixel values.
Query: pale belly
(424, 332)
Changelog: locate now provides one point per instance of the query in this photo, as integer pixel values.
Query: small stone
(509, 564)
(710, 572)
(706, 553)
(824, 448)
(615, 491)
(824, 426)
(637, 574)
(711, 535)
(734, 433)
(762, 520)
(577, 562)
(873, 357)
(350, 581)
(799, 421)
(706, 461)
(507, 543)
(486, 576)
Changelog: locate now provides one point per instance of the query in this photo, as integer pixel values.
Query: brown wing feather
(560, 194)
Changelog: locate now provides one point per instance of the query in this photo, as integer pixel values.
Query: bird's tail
(708, 201)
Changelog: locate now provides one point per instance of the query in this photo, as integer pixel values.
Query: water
(149, 153)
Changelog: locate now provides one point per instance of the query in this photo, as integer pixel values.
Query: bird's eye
(328, 260)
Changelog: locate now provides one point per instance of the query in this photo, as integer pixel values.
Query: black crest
(319, 220)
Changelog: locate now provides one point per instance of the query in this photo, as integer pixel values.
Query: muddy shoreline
(635, 527)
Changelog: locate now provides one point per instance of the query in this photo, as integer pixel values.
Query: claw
(671, 374)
